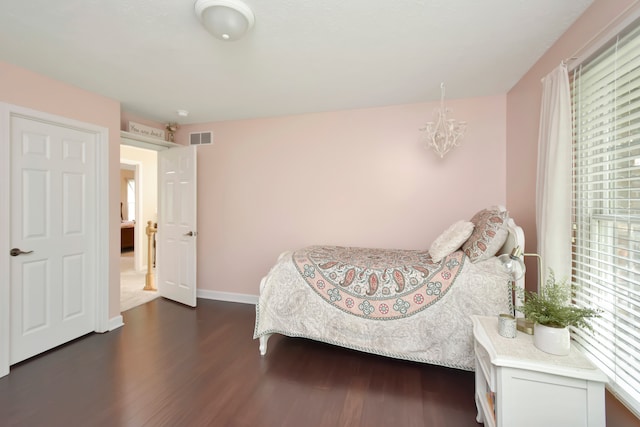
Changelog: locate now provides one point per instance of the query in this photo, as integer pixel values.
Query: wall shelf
(149, 143)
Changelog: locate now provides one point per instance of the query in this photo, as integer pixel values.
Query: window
(606, 207)
(131, 199)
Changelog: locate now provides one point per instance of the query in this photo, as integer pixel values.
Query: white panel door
(176, 237)
(53, 219)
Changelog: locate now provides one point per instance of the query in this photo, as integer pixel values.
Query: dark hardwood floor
(171, 365)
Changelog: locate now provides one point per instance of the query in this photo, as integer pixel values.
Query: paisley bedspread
(378, 284)
(392, 303)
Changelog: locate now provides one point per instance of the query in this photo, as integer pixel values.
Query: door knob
(190, 234)
(16, 252)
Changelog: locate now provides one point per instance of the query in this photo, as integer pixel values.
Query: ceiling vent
(200, 138)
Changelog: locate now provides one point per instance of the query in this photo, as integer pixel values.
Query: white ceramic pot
(552, 340)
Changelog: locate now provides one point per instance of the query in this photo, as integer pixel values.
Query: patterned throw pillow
(489, 234)
(450, 240)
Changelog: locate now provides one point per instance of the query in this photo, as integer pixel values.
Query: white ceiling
(301, 56)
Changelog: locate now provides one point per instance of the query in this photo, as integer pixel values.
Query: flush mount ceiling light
(227, 20)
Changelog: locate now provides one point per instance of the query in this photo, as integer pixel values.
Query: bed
(405, 304)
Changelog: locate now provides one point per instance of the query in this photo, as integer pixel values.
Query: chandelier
(443, 134)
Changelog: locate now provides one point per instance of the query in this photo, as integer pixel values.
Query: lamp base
(524, 325)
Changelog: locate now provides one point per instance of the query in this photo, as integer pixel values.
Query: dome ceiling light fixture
(227, 20)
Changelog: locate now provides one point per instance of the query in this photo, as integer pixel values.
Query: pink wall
(523, 114)
(25, 88)
(357, 178)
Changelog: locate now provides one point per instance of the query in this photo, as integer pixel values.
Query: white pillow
(451, 240)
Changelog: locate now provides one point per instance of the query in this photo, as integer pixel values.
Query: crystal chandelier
(444, 134)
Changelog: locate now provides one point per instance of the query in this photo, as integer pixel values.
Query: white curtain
(553, 189)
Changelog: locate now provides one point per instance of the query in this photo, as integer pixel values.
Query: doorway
(175, 212)
(138, 204)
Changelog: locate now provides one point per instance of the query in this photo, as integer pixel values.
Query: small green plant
(552, 307)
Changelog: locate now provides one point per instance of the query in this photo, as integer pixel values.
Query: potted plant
(552, 312)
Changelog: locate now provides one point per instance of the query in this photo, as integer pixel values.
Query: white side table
(519, 385)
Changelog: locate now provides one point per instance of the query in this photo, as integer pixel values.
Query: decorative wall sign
(139, 129)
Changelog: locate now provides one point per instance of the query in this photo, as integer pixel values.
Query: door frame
(101, 318)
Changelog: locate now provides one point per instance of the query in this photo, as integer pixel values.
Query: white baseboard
(115, 322)
(227, 296)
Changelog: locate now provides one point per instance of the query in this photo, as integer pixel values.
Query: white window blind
(606, 208)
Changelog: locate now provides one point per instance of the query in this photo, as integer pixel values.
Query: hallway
(132, 284)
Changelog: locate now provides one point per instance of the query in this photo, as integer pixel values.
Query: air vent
(200, 138)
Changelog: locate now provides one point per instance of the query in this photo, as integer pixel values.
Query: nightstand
(519, 385)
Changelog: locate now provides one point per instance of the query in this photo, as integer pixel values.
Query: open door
(176, 236)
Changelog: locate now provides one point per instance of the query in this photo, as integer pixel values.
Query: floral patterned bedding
(376, 283)
(396, 303)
